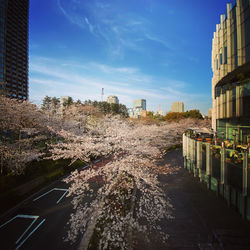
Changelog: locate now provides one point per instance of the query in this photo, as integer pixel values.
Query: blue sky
(158, 50)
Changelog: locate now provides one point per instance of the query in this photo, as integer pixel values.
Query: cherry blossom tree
(120, 196)
(133, 150)
(17, 117)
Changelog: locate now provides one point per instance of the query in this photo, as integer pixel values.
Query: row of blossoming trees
(23, 126)
(125, 196)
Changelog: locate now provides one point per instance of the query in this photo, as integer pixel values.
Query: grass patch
(54, 175)
(173, 147)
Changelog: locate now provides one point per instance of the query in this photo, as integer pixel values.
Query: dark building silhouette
(14, 30)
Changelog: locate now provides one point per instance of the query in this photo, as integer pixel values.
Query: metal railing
(224, 170)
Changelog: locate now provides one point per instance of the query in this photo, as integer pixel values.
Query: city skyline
(150, 50)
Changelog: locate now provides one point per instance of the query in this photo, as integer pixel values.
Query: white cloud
(91, 27)
(109, 69)
(158, 40)
(50, 77)
(119, 30)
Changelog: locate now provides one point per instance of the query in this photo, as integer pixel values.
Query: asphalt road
(202, 220)
(40, 222)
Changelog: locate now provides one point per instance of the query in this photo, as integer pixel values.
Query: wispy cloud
(51, 77)
(158, 40)
(109, 69)
(119, 30)
(91, 27)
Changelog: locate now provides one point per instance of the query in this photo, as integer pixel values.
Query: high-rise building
(113, 99)
(177, 107)
(210, 112)
(139, 104)
(231, 73)
(14, 21)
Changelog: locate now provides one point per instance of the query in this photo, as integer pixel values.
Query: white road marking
(54, 189)
(62, 196)
(30, 234)
(21, 216)
(26, 230)
(24, 216)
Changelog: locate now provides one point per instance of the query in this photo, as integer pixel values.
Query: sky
(158, 50)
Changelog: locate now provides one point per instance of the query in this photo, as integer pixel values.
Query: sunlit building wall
(139, 104)
(113, 99)
(177, 107)
(231, 72)
(210, 112)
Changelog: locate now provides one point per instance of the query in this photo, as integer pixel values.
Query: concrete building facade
(177, 107)
(231, 72)
(139, 105)
(210, 112)
(14, 22)
(113, 99)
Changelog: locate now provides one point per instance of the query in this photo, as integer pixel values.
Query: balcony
(223, 165)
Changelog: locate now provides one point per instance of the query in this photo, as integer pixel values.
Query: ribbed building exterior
(177, 107)
(14, 26)
(231, 72)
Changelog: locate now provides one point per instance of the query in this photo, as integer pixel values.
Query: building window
(221, 60)
(225, 55)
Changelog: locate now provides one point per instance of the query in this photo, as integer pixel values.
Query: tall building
(139, 104)
(231, 73)
(14, 21)
(177, 107)
(113, 99)
(210, 112)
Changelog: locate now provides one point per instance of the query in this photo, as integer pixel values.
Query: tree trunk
(1, 163)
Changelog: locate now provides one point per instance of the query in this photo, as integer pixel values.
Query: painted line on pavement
(27, 229)
(20, 216)
(30, 234)
(62, 196)
(54, 189)
(24, 216)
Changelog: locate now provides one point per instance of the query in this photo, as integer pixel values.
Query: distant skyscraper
(113, 99)
(177, 107)
(139, 104)
(210, 112)
(14, 21)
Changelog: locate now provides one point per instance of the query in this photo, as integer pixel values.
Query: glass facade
(233, 110)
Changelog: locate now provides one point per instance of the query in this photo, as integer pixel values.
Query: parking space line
(62, 196)
(27, 230)
(30, 234)
(24, 216)
(43, 195)
(54, 189)
(20, 216)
